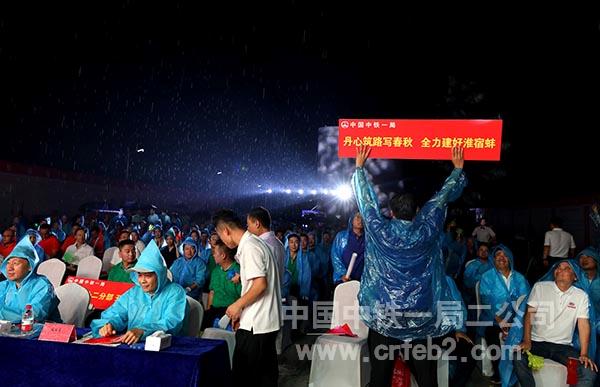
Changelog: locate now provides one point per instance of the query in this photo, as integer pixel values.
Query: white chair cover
(222, 334)
(195, 315)
(342, 360)
(53, 269)
(107, 257)
(89, 267)
(74, 302)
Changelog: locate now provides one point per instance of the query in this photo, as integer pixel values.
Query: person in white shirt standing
(484, 233)
(554, 310)
(558, 244)
(257, 314)
(259, 224)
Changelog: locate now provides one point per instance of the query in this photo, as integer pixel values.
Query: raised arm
(366, 199)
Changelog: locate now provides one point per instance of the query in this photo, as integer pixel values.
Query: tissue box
(5, 326)
(157, 342)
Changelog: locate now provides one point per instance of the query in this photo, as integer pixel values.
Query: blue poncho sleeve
(337, 250)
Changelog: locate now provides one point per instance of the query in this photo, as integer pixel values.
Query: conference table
(189, 361)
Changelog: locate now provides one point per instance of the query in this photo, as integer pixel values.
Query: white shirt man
(256, 260)
(78, 253)
(559, 242)
(276, 248)
(258, 310)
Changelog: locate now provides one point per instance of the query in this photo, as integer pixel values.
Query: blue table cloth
(188, 362)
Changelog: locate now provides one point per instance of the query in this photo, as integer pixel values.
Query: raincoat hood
(151, 261)
(38, 237)
(590, 252)
(24, 249)
(190, 242)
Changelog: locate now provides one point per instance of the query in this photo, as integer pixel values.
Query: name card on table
(62, 333)
(421, 139)
(103, 293)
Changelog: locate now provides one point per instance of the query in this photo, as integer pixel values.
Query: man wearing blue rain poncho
(347, 242)
(403, 278)
(589, 261)
(500, 288)
(189, 270)
(24, 286)
(554, 323)
(154, 304)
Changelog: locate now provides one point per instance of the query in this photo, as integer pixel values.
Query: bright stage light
(269, 190)
(343, 192)
(288, 191)
(301, 191)
(313, 191)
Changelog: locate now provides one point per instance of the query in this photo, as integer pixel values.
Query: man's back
(560, 242)
(403, 263)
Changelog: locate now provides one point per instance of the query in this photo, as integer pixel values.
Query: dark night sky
(243, 90)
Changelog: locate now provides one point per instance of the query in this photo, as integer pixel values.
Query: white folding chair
(107, 257)
(553, 374)
(331, 365)
(53, 269)
(74, 303)
(89, 267)
(195, 315)
(222, 334)
(486, 367)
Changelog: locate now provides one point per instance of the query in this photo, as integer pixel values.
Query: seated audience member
(139, 245)
(500, 288)
(97, 240)
(154, 304)
(555, 308)
(122, 236)
(35, 238)
(189, 270)
(23, 286)
(119, 272)
(77, 251)
(8, 242)
(49, 242)
(225, 287)
(169, 252)
(70, 239)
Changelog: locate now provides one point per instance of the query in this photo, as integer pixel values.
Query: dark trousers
(255, 359)
(382, 364)
(492, 337)
(210, 315)
(463, 365)
(560, 353)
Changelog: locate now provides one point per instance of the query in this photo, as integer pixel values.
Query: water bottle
(27, 319)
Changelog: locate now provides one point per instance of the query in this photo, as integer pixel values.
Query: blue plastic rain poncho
(163, 311)
(493, 291)
(323, 252)
(341, 254)
(35, 289)
(515, 335)
(403, 278)
(455, 296)
(38, 249)
(474, 269)
(187, 271)
(455, 252)
(303, 273)
(594, 283)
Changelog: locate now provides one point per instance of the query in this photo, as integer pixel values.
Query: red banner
(103, 293)
(421, 139)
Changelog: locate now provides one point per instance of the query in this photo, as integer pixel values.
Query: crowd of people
(408, 265)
